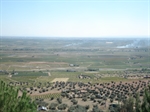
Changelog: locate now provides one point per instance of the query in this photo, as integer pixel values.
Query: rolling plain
(71, 71)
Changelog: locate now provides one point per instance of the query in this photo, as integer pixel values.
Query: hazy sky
(75, 18)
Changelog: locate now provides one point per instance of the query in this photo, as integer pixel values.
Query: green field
(69, 58)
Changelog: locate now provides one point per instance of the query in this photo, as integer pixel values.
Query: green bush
(10, 102)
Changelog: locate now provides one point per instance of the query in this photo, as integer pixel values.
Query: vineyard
(46, 96)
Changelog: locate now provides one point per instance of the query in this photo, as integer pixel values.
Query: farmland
(47, 67)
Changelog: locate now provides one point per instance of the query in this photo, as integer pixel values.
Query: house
(146, 77)
(71, 65)
(84, 77)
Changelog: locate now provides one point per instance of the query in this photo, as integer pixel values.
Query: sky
(75, 18)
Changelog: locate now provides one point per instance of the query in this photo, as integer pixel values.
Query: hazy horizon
(37, 18)
(75, 38)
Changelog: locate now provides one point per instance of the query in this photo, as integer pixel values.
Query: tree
(137, 103)
(87, 107)
(139, 107)
(62, 106)
(127, 105)
(96, 109)
(77, 108)
(10, 102)
(74, 101)
(84, 99)
(145, 107)
(53, 106)
(59, 100)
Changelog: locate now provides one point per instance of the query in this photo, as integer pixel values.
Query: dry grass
(60, 79)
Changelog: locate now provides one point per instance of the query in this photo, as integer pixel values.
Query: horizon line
(77, 36)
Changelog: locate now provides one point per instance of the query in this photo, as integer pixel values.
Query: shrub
(9, 101)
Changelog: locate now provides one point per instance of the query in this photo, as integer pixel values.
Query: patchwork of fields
(27, 63)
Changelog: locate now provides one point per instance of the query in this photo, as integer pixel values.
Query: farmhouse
(84, 77)
(71, 65)
(146, 77)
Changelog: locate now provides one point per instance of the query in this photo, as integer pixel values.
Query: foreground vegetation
(21, 102)
(12, 101)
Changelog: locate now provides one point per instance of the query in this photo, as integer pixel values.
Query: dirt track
(45, 93)
(60, 79)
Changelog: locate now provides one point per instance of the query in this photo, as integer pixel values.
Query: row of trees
(11, 101)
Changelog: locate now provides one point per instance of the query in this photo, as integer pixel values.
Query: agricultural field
(76, 71)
